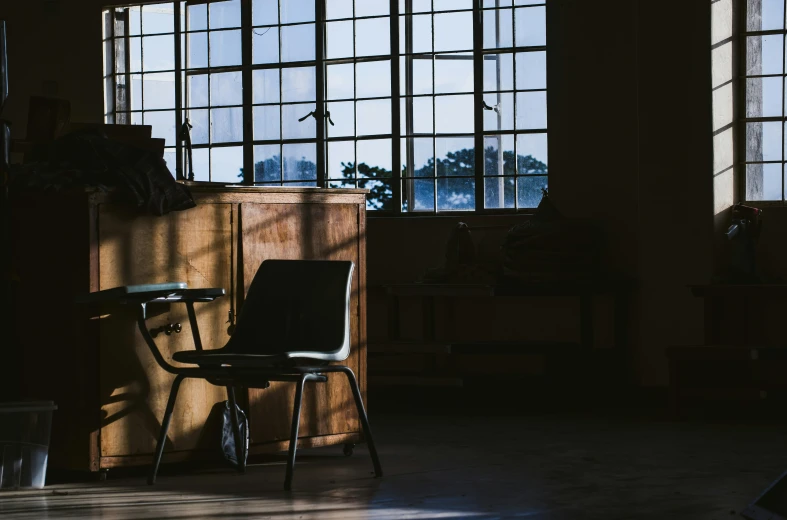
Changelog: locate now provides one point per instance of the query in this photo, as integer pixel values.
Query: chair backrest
(297, 307)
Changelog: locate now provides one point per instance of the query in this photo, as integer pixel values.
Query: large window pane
(265, 12)
(295, 11)
(373, 117)
(135, 54)
(300, 162)
(163, 124)
(455, 156)
(371, 7)
(764, 54)
(340, 80)
(499, 164)
(532, 156)
(531, 110)
(372, 37)
(200, 164)
(266, 86)
(764, 97)
(764, 15)
(338, 9)
(531, 27)
(501, 115)
(159, 91)
(453, 32)
(298, 84)
(267, 163)
(499, 72)
(197, 88)
(421, 76)
(225, 14)
(158, 18)
(498, 28)
(423, 158)
(341, 160)
(226, 163)
(455, 194)
(292, 128)
(530, 190)
(373, 79)
(374, 158)
(764, 182)
(454, 114)
(764, 141)
(265, 43)
(297, 43)
(226, 88)
(225, 48)
(531, 70)
(197, 16)
(135, 20)
(267, 123)
(423, 115)
(422, 33)
(339, 36)
(453, 73)
(343, 116)
(197, 44)
(158, 53)
(452, 5)
(200, 126)
(226, 125)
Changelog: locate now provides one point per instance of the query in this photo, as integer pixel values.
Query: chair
(295, 320)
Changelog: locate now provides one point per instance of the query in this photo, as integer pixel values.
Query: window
(763, 114)
(432, 105)
(140, 70)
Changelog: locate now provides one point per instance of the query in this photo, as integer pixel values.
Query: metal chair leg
(367, 431)
(240, 445)
(296, 420)
(162, 438)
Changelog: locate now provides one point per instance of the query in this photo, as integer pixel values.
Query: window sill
(387, 215)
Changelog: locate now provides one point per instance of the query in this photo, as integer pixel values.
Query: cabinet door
(193, 246)
(310, 232)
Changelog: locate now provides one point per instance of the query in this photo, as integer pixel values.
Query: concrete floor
(545, 468)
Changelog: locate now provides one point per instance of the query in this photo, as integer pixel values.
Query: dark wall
(54, 49)
(630, 143)
(675, 188)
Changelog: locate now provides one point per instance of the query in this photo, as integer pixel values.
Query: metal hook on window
(495, 108)
(310, 114)
(315, 116)
(185, 136)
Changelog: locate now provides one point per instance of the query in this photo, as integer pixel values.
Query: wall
(630, 143)
(675, 190)
(54, 49)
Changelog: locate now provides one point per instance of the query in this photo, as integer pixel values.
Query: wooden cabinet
(93, 362)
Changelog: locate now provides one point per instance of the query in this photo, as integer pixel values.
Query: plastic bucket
(25, 428)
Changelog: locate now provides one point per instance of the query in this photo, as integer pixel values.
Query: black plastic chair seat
(220, 357)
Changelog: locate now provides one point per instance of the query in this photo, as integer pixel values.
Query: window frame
(741, 118)
(401, 186)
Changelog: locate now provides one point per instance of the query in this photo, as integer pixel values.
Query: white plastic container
(25, 428)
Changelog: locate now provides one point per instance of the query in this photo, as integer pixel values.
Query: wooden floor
(546, 467)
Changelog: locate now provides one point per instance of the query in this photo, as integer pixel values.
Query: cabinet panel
(304, 231)
(193, 246)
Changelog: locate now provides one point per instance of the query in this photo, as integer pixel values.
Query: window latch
(316, 116)
(307, 116)
(185, 136)
(495, 108)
